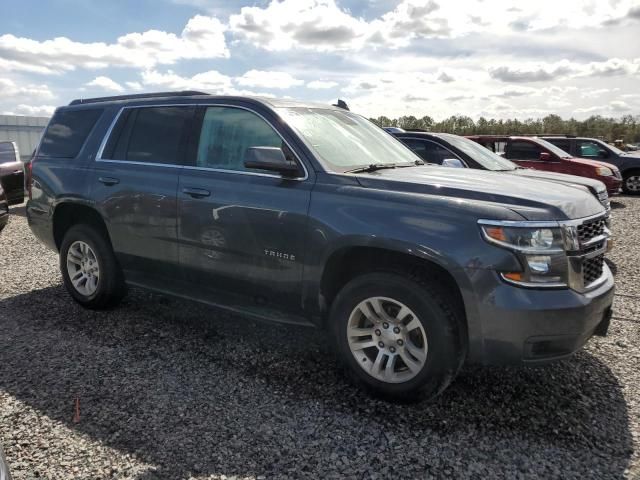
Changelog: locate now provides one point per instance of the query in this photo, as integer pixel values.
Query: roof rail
(184, 93)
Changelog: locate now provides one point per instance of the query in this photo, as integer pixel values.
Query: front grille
(587, 263)
(591, 229)
(592, 269)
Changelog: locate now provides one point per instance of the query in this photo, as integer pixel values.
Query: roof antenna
(342, 104)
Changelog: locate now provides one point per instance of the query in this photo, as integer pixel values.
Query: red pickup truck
(534, 152)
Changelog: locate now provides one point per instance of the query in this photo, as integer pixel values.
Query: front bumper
(529, 326)
(612, 183)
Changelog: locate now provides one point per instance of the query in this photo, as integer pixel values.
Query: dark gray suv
(310, 214)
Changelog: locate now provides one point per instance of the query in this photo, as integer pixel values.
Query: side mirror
(271, 159)
(452, 162)
(545, 157)
(603, 153)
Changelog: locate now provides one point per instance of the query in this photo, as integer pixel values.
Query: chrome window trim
(105, 140)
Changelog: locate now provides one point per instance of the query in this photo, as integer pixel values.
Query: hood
(635, 155)
(531, 198)
(592, 163)
(594, 186)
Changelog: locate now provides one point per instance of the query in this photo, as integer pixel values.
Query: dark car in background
(4, 209)
(11, 172)
(447, 149)
(536, 153)
(594, 149)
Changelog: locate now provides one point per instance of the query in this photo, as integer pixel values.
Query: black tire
(626, 176)
(437, 310)
(111, 287)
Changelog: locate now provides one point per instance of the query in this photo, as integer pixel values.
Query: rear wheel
(89, 268)
(631, 183)
(398, 337)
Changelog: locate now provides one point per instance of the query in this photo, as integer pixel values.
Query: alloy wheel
(83, 268)
(387, 339)
(632, 183)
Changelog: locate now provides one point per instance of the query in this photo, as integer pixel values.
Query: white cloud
(287, 24)
(323, 26)
(619, 106)
(136, 86)
(11, 89)
(266, 79)
(211, 81)
(544, 72)
(321, 84)
(201, 38)
(35, 111)
(105, 83)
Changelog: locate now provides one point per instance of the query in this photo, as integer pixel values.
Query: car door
(528, 154)
(134, 184)
(11, 172)
(241, 231)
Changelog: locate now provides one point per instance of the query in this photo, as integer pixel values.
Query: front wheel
(89, 268)
(398, 337)
(631, 183)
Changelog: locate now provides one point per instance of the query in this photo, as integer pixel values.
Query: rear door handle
(196, 192)
(108, 181)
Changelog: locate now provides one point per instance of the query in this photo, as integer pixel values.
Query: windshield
(614, 149)
(552, 148)
(482, 155)
(345, 141)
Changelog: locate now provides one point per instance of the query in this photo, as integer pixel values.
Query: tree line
(626, 128)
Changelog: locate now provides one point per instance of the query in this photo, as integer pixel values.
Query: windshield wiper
(374, 167)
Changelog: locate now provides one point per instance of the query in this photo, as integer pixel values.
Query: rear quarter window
(67, 132)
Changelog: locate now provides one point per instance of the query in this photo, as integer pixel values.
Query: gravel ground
(169, 389)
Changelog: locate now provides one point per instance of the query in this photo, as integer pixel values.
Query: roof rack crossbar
(184, 93)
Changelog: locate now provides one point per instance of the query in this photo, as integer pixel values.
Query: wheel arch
(348, 261)
(68, 213)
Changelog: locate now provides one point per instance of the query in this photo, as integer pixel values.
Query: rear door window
(521, 150)
(150, 135)
(67, 132)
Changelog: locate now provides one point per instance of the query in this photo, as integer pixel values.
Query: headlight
(604, 171)
(540, 250)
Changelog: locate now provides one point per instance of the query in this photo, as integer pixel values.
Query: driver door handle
(108, 181)
(196, 192)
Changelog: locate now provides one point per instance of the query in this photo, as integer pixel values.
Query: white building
(25, 131)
